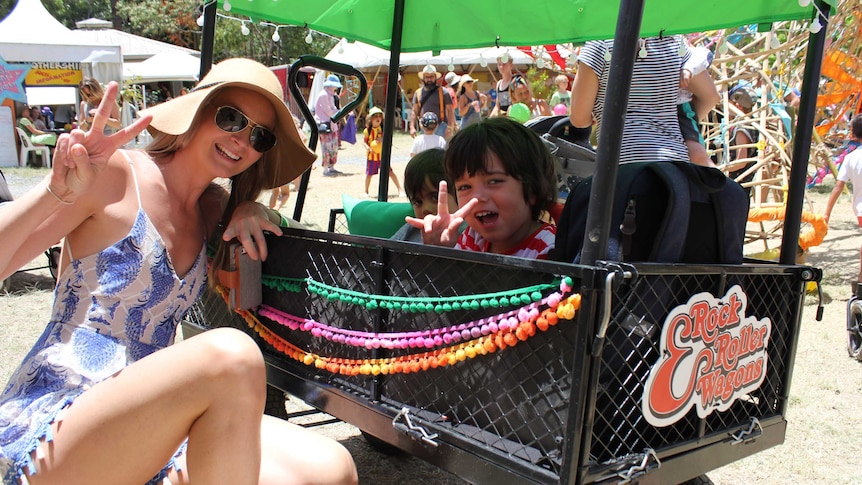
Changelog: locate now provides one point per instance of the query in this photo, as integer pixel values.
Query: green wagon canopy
(448, 24)
(418, 25)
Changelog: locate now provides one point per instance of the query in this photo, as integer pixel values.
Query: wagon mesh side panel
(514, 400)
(632, 348)
(511, 406)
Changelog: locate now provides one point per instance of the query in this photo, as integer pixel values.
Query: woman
(651, 130)
(91, 96)
(36, 116)
(469, 102)
(102, 398)
(37, 136)
(521, 93)
(324, 109)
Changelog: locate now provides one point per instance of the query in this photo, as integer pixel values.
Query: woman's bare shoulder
(114, 178)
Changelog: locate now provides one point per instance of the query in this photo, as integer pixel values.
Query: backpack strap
(442, 106)
(424, 98)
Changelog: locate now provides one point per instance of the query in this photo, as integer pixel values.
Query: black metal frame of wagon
(563, 406)
(566, 405)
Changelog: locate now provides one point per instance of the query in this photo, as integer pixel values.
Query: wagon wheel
(854, 328)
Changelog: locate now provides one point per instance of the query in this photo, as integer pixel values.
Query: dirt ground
(821, 444)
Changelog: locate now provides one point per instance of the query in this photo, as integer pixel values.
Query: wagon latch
(412, 430)
(649, 462)
(749, 434)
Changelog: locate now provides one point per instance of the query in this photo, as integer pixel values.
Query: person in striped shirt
(505, 183)
(651, 131)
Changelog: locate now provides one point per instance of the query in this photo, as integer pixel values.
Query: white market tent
(55, 44)
(164, 66)
(364, 57)
(171, 63)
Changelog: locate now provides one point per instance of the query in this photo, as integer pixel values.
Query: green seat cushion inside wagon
(374, 218)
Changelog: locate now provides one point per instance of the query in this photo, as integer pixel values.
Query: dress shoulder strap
(125, 155)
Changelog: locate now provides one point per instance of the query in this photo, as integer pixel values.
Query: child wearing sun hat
(373, 139)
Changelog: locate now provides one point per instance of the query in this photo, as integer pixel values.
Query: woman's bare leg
(210, 388)
(296, 455)
(293, 455)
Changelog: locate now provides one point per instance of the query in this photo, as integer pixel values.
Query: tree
(174, 22)
(68, 11)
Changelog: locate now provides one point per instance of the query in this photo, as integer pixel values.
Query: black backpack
(665, 212)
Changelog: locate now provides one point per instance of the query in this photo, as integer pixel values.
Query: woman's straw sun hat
(286, 160)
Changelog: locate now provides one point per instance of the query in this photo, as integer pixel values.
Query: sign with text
(54, 74)
(711, 355)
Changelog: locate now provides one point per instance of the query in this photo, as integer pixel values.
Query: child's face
(502, 216)
(425, 202)
(562, 85)
(376, 120)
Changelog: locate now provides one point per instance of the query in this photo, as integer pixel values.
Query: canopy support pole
(209, 14)
(802, 138)
(391, 92)
(613, 118)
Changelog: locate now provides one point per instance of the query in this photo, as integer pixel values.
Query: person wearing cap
(324, 109)
(430, 98)
(103, 396)
(429, 138)
(469, 102)
(697, 96)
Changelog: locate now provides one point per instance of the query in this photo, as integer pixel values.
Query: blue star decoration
(12, 81)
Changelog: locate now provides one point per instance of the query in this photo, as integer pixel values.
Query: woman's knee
(232, 355)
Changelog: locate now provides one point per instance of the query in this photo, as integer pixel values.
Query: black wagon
(519, 371)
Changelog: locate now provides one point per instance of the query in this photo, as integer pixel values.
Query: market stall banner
(54, 74)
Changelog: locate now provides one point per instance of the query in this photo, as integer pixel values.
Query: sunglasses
(232, 120)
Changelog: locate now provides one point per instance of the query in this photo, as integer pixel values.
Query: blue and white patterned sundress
(110, 309)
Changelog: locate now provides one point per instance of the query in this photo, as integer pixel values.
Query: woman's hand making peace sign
(80, 155)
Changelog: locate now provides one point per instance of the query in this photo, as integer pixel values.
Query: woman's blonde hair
(94, 86)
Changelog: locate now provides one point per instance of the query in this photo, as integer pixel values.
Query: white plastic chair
(27, 146)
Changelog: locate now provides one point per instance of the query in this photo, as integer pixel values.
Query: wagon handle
(293, 73)
(327, 65)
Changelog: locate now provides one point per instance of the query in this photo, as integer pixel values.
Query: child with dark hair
(505, 183)
(421, 179)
